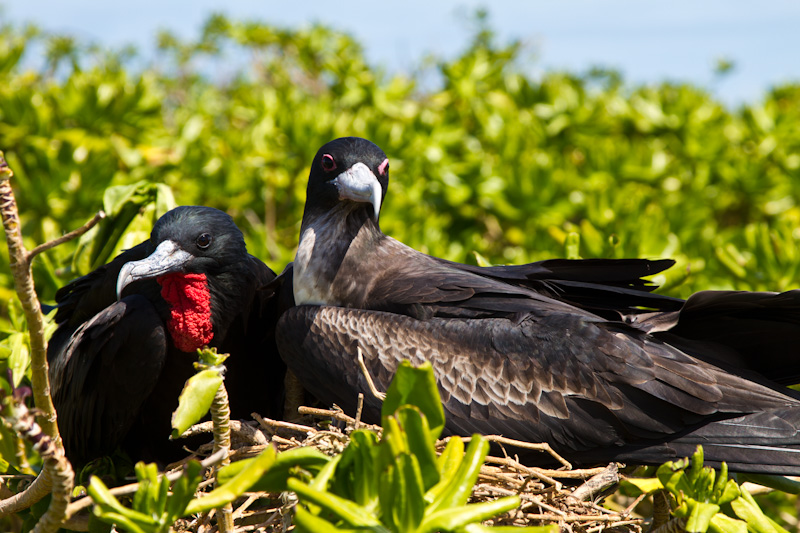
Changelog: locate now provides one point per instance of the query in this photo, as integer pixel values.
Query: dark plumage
(595, 366)
(117, 365)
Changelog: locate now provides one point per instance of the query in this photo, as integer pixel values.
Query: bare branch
(66, 237)
(45, 434)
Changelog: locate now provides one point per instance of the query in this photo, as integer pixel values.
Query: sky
(647, 41)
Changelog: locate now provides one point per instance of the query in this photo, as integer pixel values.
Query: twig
(359, 410)
(336, 415)
(268, 423)
(372, 388)
(241, 433)
(597, 483)
(66, 237)
(541, 447)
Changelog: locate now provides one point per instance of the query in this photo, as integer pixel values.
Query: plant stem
(23, 282)
(221, 417)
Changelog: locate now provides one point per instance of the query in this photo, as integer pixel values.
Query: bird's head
(188, 240)
(348, 169)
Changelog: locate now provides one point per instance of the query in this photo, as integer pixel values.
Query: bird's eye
(328, 164)
(203, 241)
(384, 167)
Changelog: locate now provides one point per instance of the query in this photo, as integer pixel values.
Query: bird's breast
(312, 281)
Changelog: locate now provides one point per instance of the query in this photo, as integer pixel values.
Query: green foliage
(198, 393)
(157, 504)
(707, 499)
(397, 483)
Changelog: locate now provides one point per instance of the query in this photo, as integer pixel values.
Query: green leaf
(700, 516)
(183, 490)
(359, 471)
(19, 357)
(456, 517)
(235, 487)
(195, 400)
(420, 442)
(747, 509)
(644, 485)
(416, 386)
(409, 505)
(449, 462)
(353, 514)
(274, 479)
(459, 491)
(721, 523)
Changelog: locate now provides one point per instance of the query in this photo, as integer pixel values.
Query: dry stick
(597, 483)
(372, 388)
(541, 447)
(336, 415)
(221, 417)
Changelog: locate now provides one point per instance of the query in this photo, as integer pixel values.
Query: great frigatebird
(128, 333)
(643, 387)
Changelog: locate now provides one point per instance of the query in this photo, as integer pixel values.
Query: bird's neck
(189, 299)
(325, 240)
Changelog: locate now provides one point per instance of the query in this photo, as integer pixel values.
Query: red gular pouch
(190, 309)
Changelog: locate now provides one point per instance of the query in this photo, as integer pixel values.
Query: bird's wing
(759, 331)
(594, 390)
(598, 285)
(394, 277)
(84, 297)
(102, 375)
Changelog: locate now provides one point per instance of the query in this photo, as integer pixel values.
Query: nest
(567, 497)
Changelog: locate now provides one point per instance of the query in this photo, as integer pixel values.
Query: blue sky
(647, 41)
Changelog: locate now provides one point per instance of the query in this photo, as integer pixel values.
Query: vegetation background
(490, 161)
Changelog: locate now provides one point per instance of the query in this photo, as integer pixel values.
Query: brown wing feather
(594, 390)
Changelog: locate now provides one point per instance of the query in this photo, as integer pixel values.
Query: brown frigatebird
(644, 379)
(129, 331)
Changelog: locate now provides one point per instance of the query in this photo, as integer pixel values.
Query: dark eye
(203, 241)
(328, 163)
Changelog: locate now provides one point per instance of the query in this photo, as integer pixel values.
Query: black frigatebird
(128, 333)
(510, 359)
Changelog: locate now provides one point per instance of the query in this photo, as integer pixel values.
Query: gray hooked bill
(168, 257)
(359, 184)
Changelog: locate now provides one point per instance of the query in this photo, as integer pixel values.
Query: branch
(37, 490)
(58, 469)
(23, 282)
(67, 237)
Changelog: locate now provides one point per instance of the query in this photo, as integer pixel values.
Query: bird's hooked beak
(168, 257)
(359, 184)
